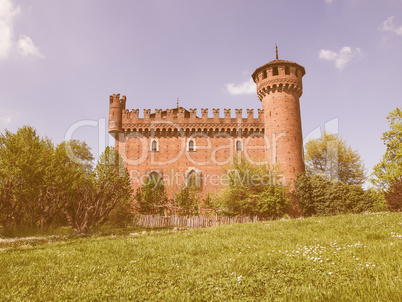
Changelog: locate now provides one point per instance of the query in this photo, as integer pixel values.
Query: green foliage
(108, 186)
(253, 191)
(342, 258)
(40, 182)
(188, 201)
(394, 196)
(389, 169)
(151, 196)
(25, 162)
(330, 156)
(318, 195)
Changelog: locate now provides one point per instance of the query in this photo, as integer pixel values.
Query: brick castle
(177, 144)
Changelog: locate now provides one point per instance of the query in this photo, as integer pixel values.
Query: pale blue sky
(60, 60)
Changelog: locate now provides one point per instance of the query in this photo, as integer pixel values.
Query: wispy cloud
(247, 87)
(7, 16)
(5, 117)
(25, 45)
(341, 58)
(388, 25)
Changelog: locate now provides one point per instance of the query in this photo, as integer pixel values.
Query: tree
(394, 196)
(24, 164)
(151, 196)
(389, 170)
(70, 166)
(329, 155)
(253, 191)
(99, 193)
(188, 200)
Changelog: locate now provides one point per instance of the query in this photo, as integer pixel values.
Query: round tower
(116, 107)
(279, 87)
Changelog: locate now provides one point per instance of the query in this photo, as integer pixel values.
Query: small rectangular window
(275, 71)
(287, 70)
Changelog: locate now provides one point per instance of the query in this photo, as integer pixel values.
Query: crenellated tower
(116, 107)
(279, 87)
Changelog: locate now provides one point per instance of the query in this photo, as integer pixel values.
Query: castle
(177, 145)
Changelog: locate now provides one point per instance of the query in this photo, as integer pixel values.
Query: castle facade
(178, 145)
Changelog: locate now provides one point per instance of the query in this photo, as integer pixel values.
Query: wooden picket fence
(188, 222)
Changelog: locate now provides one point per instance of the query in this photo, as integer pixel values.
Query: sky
(60, 60)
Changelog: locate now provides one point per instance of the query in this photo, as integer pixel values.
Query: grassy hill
(342, 258)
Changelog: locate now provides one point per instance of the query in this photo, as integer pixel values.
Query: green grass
(342, 258)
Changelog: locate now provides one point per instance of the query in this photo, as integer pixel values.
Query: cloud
(27, 47)
(341, 58)
(388, 25)
(7, 15)
(5, 117)
(247, 87)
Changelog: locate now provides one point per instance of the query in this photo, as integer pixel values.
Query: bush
(253, 191)
(318, 195)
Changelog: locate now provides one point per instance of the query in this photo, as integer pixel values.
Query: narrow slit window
(154, 146)
(287, 70)
(239, 146)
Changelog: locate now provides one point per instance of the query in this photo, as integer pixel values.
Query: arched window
(239, 145)
(154, 147)
(191, 145)
(193, 179)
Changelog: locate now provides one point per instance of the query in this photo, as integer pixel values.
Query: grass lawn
(341, 258)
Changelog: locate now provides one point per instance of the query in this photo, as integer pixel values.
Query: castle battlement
(123, 120)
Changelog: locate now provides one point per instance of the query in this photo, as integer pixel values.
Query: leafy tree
(99, 193)
(253, 191)
(329, 155)
(151, 196)
(24, 164)
(394, 196)
(71, 164)
(389, 170)
(188, 200)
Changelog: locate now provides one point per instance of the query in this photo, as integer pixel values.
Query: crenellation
(250, 114)
(215, 113)
(238, 113)
(169, 113)
(261, 114)
(134, 114)
(158, 114)
(204, 112)
(147, 113)
(227, 113)
(193, 113)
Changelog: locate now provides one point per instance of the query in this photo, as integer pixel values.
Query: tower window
(287, 70)
(275, 71)
(191, 145)
(154, 147)
(239, 145)
(264, 74)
